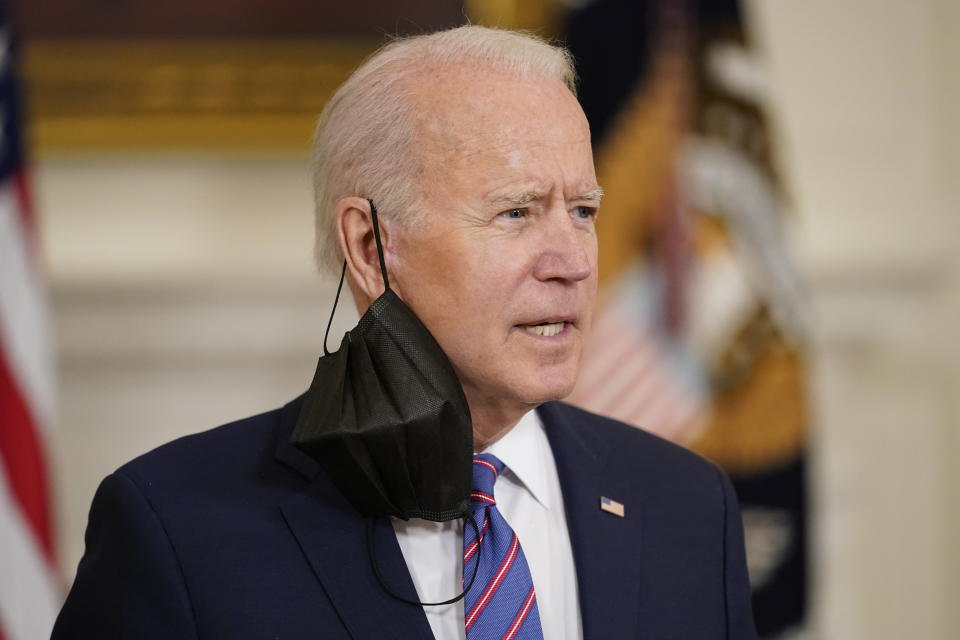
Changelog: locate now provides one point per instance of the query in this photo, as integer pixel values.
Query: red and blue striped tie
(502, 603)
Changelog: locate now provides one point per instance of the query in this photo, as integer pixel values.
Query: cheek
(502, 283)
(463, 286)
(448, 285)
(484, 289)
(495, 273)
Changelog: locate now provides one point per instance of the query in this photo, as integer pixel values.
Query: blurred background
(779, 267)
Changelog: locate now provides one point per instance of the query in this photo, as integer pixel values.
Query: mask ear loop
(326, 333)
(376, 237)
(343, 272)
(371, 550)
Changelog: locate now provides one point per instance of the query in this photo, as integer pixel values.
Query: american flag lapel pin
(611, 506)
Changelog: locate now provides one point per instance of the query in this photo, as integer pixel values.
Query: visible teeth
(546, 330)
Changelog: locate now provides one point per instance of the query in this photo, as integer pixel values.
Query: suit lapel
(333, 537)
(606, 548)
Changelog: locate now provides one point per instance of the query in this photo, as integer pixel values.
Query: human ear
(355, 235)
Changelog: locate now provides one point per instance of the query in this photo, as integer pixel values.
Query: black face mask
(387, 418)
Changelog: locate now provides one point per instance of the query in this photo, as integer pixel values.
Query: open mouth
(545, 329)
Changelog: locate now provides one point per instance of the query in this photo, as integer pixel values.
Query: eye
(514, 214)
(585, 213)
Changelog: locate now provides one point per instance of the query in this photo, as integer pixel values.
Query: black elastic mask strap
(376, 237)
(376, 568)
(343, 272)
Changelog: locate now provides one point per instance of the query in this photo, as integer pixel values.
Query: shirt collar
(523, 450)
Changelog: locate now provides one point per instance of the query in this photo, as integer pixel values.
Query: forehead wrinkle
(455, 135)
(469, 146)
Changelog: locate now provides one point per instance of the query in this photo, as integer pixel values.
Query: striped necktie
(502, 603)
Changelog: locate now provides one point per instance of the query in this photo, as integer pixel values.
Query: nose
(565, 250)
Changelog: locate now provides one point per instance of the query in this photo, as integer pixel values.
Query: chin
(519, 383)
(554, 385)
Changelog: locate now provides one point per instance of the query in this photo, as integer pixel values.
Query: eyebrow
(526, 197)
(594, 194)
(517, 199)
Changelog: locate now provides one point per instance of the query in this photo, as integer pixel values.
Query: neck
(491, 422)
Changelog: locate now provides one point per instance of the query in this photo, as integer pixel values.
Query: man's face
(503, 270)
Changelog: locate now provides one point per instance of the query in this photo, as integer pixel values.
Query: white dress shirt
(529, 498)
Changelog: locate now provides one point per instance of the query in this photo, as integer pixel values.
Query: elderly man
(474, 150)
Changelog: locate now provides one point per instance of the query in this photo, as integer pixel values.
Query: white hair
(363, 144)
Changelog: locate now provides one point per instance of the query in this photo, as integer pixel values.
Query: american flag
(30, 591)
(633, 371)
(611, 506)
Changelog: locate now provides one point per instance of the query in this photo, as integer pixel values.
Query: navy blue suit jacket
(234, 533)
